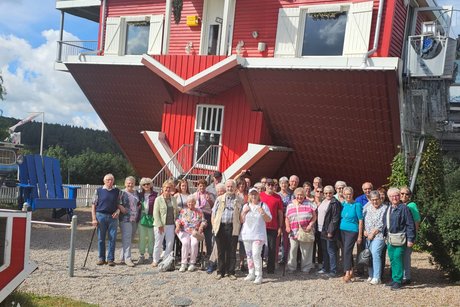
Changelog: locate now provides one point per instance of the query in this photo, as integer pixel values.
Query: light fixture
(255, 34)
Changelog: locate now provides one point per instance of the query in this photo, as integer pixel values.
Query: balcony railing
(69, 48)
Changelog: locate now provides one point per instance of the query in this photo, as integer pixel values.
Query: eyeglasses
(394, 196)
(270, 184)
(375, 199)
(145, 184)
(327, 193)
(319, 191)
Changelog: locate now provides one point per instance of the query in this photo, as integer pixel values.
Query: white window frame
(8, 242)
(304, 10)
(216, 130)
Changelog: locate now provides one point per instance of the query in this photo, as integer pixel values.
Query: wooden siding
(251, 16)
(241, 125)
(186, 66)
(116, 8)
(398, 31)
(181, 34)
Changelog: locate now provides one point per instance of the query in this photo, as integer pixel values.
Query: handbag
(365, 256)
(302, 235)
(146, 220)
(395, 239)
(197, 235)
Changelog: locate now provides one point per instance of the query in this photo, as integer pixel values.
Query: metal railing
(204, 165)
(67, 48)
(175, 167)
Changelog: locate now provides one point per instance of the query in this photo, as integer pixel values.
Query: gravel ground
(145, 286)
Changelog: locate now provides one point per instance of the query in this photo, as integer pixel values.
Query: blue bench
(40, 185)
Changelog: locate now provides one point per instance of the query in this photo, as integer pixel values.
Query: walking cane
(89, 247)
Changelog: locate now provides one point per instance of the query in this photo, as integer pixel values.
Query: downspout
(166, 27)
(82, 55)
(376, 35)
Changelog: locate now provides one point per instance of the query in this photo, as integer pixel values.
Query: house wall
(241, 125)
(117, 8)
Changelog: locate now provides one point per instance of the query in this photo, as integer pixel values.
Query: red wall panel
(241, 125)
(399, 25)
(117, 8)
(186, 66)
(17, 252)
(181, 34)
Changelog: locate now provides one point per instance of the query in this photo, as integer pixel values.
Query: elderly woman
(300, 214)
(190, 222)
(328, 225)
(164, 216)
(339, 186)
(308, 190)
(351, 227)
(317, 200)
(242, 192)
(147, 199)
(182, 193)
(254, 234)
(286, 197)
(399, 228)
(205, 201)
(128, 219)
(373, 231)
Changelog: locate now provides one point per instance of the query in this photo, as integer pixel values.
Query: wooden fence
(9, 196)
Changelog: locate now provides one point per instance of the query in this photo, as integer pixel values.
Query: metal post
(72, 245)
(43, 131)
(87, 195)
(61, 36)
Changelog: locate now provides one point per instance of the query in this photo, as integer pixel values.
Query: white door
(208, 135)
(211, 29)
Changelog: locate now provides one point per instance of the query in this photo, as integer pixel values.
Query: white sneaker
(183, 268)
(250, 277)
(192, 268)
(129, 262)
(369, 279)
(375, 281)
(258, 280)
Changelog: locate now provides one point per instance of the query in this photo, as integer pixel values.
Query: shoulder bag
(395, 239)
(302, 235)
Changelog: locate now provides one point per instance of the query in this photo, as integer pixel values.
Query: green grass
(29, 299)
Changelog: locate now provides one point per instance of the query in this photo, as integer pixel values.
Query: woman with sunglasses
(147, 199)
(351, 227)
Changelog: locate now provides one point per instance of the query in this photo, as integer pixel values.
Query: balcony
(88, 9)
(73, 48)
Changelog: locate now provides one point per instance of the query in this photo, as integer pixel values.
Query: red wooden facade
(340, 123)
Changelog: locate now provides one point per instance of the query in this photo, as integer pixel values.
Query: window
(324, 30)
(208, 131)
(3, 222)
(324, 33)
(213, 40)
(137, 37)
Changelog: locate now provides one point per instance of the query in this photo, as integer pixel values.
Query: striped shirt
(298, 215)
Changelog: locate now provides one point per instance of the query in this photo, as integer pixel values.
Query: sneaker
(406, 281)
(154, 264)
(232, 277)
(258, 280)
(390, 284)
(396, 286)
(141, 260)
(192, 268)
(332, 275)
(129, 262)
(250, 277)
(211, 268)
(101, 262)
(111, 263)
(322, 271)
(369, 279)
(183, 268)
(375, 281)
(218, 277)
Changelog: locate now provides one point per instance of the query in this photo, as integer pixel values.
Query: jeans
(189, 246)
(376, 246)
(128, 230)
(306, 250)
(407, 263)
(329, 248)
(168, 233)
(226, 250)
(317, 249)
(145, 240)
(254, 255)
(106, 225)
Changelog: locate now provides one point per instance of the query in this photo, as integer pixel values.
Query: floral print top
(190, 220)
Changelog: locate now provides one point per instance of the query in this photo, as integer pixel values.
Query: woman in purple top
(189, 226)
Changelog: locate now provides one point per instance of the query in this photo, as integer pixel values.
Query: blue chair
(40, 185)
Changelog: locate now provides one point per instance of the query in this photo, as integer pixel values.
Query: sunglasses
(404, 193)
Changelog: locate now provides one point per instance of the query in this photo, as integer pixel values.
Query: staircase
(204, 166)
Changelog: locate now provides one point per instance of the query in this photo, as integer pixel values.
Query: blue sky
(29, 30)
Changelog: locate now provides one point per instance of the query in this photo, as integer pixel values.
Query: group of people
(310, 222)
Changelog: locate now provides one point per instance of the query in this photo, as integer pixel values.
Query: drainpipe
(167, 26)
(376, 35)
(61, 36)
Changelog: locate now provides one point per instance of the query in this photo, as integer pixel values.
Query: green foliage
(18, 298)
(2, 89)
(177, 10)
(398, 177)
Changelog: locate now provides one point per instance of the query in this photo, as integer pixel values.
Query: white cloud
(33, 84)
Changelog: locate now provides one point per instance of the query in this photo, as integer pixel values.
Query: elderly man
(365, 198)
(399, 228)
(293, 183)
(317, 183)
(217, 178)
(105, 211)
(226, 226)
(274, 227)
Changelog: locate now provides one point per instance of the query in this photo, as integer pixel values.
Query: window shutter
(155, 34)
(286, 33)
(112, 36)
(358, 29)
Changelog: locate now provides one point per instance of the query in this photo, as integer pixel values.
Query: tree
(2, 89)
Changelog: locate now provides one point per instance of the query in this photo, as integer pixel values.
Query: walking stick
(89, 247)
